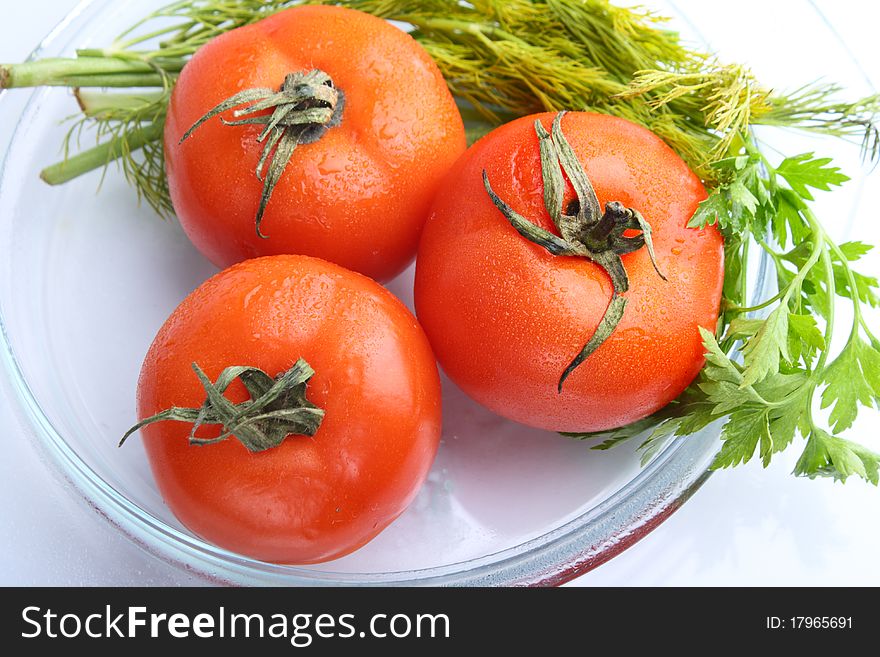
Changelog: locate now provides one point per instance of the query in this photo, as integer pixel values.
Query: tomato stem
(277, 408)
(585, 230)
(303, 109)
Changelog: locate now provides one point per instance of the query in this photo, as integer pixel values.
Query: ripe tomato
(309, 499)
(505, 317)
(358, 194)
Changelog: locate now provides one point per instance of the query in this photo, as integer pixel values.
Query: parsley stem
(820, 239)
(817, 378)
(829, 320)
(777, 257)
(870, 335)
(744, 271)
(850, 279)
(748, 309)
(815, 254)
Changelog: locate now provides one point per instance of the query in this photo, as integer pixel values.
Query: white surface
(746, 526)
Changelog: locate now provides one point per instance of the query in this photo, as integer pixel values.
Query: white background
(746, 526)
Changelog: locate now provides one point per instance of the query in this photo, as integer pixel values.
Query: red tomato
(357, 196)
(505, 317)
(309, 499)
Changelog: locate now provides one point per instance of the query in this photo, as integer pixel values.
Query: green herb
(504, 59)
(768, 398)
(128, 126)
(501, 59)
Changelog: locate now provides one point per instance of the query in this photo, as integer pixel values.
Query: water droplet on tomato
(330, 164)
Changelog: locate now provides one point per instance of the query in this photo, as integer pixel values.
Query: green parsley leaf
(764, 391)
(741, 435)
(613, 437)
(761, 352)
(853, 378)
(804, 171)
(804, 338)
(743, 203)
(865, 286)
(831, 456)
(710, 212)
(787, 218)
(855, 250)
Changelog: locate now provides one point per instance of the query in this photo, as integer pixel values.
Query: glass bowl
(87, 278)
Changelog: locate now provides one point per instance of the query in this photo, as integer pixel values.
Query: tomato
(506, 317)
(357, 190)
(308, 499)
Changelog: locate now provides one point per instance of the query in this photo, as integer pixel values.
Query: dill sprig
(729, 96)
(500, 59)
(127, 127)
(509, 59)
(817, 108)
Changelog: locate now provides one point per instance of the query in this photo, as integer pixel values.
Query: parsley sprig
(772, 365)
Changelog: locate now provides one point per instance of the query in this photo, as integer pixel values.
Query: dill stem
(455, 25)
(118, 80)
(96, 103)
(470, 114)
(100, 155)
(174, 29)
(181, 34)
(84, 71)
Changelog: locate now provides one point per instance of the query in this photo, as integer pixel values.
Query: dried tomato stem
(585, 230)
(277, 408)
(303, 109)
